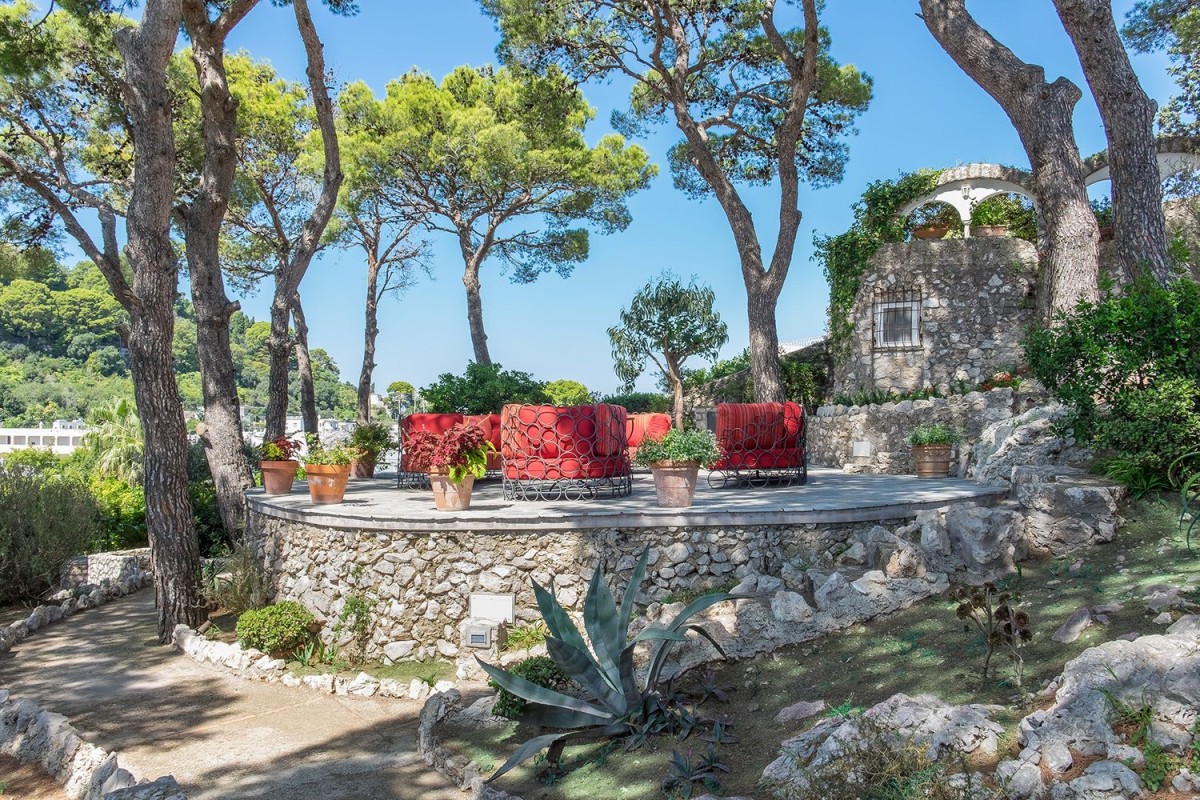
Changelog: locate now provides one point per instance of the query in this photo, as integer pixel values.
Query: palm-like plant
(116, 441)
(605, 669)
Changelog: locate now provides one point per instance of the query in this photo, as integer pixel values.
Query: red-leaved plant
(459, 451)
(280, 449)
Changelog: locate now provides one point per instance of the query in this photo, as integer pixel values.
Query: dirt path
(220, 736)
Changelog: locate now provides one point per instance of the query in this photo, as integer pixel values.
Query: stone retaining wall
(417, 583)
(116, 566)
(33, 735)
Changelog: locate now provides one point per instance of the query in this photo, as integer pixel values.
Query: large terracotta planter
(327, 482)
(278, 475)
(675, 482)
(363, 467)
(451, 496)
(931, 231)
(932, 460)
(990, 231)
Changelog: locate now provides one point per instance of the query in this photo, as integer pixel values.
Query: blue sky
(926, 113)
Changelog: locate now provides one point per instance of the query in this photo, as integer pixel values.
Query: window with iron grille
(897, 319)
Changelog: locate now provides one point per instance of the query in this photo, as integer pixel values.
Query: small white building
(62, 437)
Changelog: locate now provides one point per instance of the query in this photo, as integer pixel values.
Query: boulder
(1031, 439)
(986, 541)
(1066, 509)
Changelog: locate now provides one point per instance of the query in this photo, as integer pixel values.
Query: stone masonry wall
(418, 582)
(834, 429)
(977, 296)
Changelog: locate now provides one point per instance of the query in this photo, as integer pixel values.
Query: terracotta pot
(327, 482)
(448, 495)
(278, 475)
(931, 231)
(932, 460)
(363, 467)
(990, 231)
(675, 482)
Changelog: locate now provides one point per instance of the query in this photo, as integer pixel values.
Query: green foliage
(48, 517)
(1127, 368)
(116, 441)
(523, 637)
(336, 456)
(678, 445)
(122, 512)
(684, 773)
(355, 620)
(1103, 210)
(483, 389)
(846, 257)
(567, 393)
(237, 583)
(1189, 496)
(1174, 26)
(932, 434)
(278, 629)
(1012, 211)
(618, 705)
(641, 402)
(538, 670)
(372, 438)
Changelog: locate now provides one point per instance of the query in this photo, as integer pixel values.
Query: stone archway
(966, 186)
(1175, 154)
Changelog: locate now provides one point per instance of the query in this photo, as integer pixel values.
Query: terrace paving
(831, 496)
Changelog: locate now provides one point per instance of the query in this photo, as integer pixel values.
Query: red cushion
(639, 427)
(778, 458)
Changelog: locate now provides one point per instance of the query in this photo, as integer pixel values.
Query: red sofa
(640, 426)
(572, 452)
(761, 444)
(439, 423)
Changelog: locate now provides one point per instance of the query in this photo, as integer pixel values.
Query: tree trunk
(146, 51)
(764, 344)
(1041, 113)
(363, 415)
(279, 350)
(1139, 227)
(308, 394)
(223, 437)
(676, 381)
(475, 314)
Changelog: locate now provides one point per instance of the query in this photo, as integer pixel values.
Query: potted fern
(328, 470)
(453, 459)
(931, 445)
(367, 442)
(278, 465)
(675, 460)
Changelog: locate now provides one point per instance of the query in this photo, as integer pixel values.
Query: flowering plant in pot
(328, 470)
(453, 459)
(675, 460)
(367, 442)
(278, 464)
(931, 446)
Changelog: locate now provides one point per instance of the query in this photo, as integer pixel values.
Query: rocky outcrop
(1065, 509)
(1033, 439)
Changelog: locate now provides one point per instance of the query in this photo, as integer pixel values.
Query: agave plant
(605, 669)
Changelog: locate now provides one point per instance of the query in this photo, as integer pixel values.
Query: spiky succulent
(605, 670)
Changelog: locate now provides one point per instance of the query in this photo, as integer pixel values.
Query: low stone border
(252, 664)
(66, 602)
(460, 770)
(31, 734)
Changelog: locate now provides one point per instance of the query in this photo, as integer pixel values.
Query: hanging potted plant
(453, 459)
(278, 465)
(675, 461)
(367, 442)
(328, 471)
(931, 445)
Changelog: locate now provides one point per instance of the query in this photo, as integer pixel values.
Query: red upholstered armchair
(440, 423)
(762, 444)
(639, 427)
(572, 452)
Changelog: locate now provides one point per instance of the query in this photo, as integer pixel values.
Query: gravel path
(220, 736)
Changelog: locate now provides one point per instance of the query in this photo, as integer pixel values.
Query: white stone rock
(790, 607)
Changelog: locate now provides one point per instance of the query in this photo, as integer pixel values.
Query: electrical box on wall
(498, 607)
(482, 634)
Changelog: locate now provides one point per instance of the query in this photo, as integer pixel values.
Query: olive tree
(667, 323)
(756, 103)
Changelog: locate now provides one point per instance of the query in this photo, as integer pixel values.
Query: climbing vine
(845, 257)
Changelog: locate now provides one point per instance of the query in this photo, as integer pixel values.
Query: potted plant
(278, 465)
(328, 471)
(453, 459)
(1103, 211)
(933, 221)
(990, 219)
(675, 460)
(367, 442)
(931, 446)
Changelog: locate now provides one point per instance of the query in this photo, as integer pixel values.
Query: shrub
(641, 402)
(540, 670)
(677, 445)
(237, 583)
(568, 393)
(1127, 369)
(47, 519)
(122, 510)
(482, 390)
(932, 434)
(371, 439)
(280, 629)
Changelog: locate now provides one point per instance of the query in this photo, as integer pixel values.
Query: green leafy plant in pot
(453, 459)
(328, 470)
(278, 464)
(615, 703)
(368, 441)
(675, 460)
(931, 446)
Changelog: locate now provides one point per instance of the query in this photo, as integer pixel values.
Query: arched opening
(935, 220)
(1005, 214)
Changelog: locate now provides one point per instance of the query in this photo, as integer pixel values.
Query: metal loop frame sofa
(762, 444)
(564, 452)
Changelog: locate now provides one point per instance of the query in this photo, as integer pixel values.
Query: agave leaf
(534, 745)
(700, 630)
(583, 670)
(559, 717)
(633, 697)
(531, 692)
(600, 619)
(700, 604)
(557, 621)
(656, 634)
(627, 600)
